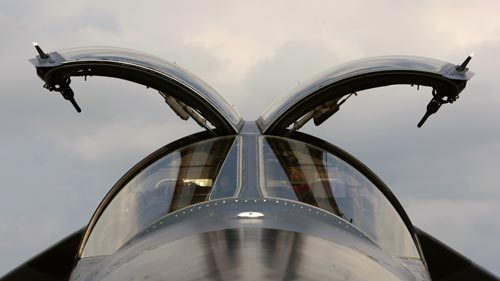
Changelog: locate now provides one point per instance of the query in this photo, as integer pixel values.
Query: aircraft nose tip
(248, 254)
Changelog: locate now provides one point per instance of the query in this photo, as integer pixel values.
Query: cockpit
(263, 178)
(179, 178)
(302, 172)
(175, 179)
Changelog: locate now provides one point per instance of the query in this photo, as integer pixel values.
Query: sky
(56, 165)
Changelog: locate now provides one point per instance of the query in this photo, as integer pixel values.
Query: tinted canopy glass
(298, 171)
(181, 178)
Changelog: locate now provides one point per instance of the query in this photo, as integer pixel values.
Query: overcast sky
(56, 165)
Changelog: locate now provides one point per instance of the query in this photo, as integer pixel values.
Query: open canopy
(186, 94)
(317, 99)
(320, 97)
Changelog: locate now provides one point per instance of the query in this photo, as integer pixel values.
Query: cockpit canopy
(210, 169)
(190, 97)
(186, 176)
(299, 171)
(188, 173)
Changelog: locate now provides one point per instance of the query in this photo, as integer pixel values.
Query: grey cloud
(467, 220)
(91, 17)
(48, 152)
(292, 63)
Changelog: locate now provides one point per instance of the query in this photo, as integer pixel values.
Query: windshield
(181, 178)
(297, 171)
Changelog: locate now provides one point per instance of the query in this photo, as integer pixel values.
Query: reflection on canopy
(181, 178)
(298, 174)
(297, 171)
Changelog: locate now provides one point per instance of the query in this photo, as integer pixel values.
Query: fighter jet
(250, 200)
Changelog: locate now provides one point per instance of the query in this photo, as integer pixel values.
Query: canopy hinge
(321, 113)
(184, 111)
(439, 99)
(62, 86)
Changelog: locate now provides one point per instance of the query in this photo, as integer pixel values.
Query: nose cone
(249, 254)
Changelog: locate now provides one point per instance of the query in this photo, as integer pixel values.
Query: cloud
(457, 221)
(251, 52)
(291, 63)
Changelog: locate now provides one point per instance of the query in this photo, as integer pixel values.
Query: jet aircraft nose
(245, 254)
(248, 200)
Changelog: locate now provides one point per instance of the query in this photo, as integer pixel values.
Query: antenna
(463, 66)
(42, 54)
